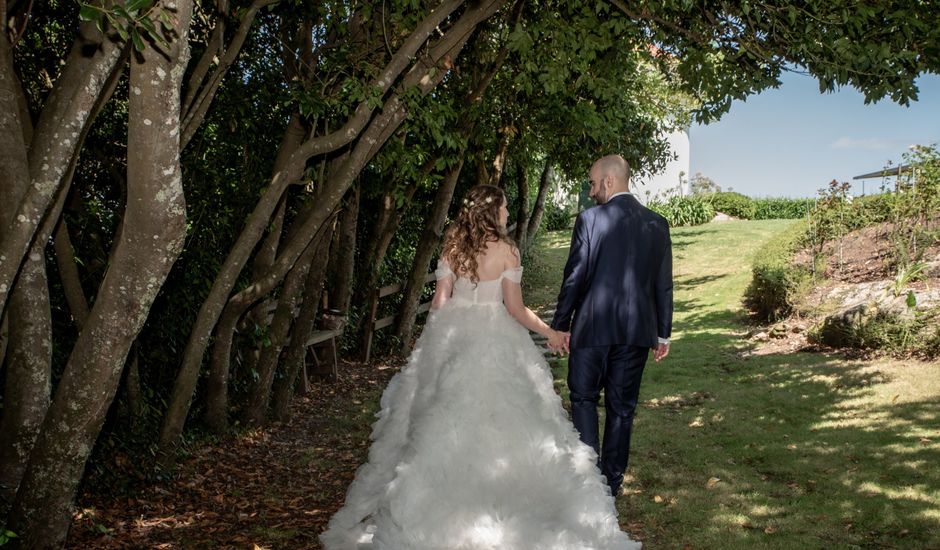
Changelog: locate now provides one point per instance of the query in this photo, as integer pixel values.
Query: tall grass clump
(684, 211)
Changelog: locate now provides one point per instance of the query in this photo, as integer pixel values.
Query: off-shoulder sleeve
(514, 274)
(443, 270)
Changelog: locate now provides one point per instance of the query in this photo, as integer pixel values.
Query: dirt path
(270, 489)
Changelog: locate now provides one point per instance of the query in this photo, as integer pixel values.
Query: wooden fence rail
(379, 324)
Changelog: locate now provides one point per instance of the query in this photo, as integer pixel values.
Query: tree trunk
(433, 231)
(196, 107)
(28, 380)
(267, 252)
(483, 175)
(279, 329)
(217, 402)
(499, 160)
(29, 373)
(151, 238)
(344, 259)
(217, 381)
(28, 343)
(215, 47)
(257, 318)
(66, 114)
(132, 386)
(383, 233)
(419, 76)
(430, 239)
(68, 273)
(370, 265)
(522, 213)
(535, 220)
(4, 338)
(370, 286)
(303, 328)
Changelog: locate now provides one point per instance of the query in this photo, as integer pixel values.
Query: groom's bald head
(615, 167)
(609, 175)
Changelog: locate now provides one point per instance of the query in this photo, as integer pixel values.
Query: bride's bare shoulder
(508, 253)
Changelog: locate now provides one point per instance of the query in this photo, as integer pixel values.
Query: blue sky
(792, 140)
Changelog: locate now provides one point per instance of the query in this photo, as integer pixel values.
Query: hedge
(733, 204)
(782, 208)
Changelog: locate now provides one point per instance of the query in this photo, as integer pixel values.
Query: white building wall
(674, 179)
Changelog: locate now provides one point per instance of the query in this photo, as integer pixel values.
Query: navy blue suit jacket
(618, 279)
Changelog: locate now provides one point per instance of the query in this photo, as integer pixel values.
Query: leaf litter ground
(268, 488)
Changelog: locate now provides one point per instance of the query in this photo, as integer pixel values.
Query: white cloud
(869, 144)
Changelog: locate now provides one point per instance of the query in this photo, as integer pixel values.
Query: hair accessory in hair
(489, 200)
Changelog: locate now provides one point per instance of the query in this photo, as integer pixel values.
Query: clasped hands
(558, 342)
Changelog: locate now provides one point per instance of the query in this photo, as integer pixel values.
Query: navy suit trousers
(617, 370)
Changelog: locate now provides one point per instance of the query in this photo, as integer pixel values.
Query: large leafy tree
(267, 114)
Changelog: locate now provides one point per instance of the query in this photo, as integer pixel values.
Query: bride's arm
(442, 292)
(512, 298)
(444, 287)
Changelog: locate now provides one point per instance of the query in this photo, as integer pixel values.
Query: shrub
(893, 334)
(776, 284)
(684, 211)
(782, 208)
(555, 217)
(733, 204)
(930, 348)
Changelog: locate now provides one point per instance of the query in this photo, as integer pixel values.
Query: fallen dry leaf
(275, 487)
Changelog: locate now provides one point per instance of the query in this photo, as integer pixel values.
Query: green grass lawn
(773, 451)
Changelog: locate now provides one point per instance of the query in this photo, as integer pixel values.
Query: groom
(618, 290)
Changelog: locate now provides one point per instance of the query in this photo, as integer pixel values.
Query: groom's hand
(660, 352)
(558, 342)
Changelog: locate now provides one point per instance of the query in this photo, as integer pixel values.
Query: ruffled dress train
(472, 448)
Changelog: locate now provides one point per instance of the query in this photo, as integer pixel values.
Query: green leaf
(136, 5)
(138, 41)
(89, 13)
(911, 299)
(6, 535)
(151, 29)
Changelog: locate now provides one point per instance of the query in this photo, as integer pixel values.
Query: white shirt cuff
(664, 341)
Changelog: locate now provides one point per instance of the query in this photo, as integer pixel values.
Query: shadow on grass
(800, 451)
(699, 320)
(692, 282)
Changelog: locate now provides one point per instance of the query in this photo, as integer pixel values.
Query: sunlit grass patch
(805, 450)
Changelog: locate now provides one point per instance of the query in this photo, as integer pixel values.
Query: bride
(472, 448)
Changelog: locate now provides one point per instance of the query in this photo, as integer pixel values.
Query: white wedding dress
(472, 448)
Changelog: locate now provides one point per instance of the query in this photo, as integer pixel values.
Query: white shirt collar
(618, 194)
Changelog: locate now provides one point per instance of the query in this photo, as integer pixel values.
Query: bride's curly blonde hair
(477, 223)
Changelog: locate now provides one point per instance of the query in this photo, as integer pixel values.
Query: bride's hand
(558, 341)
